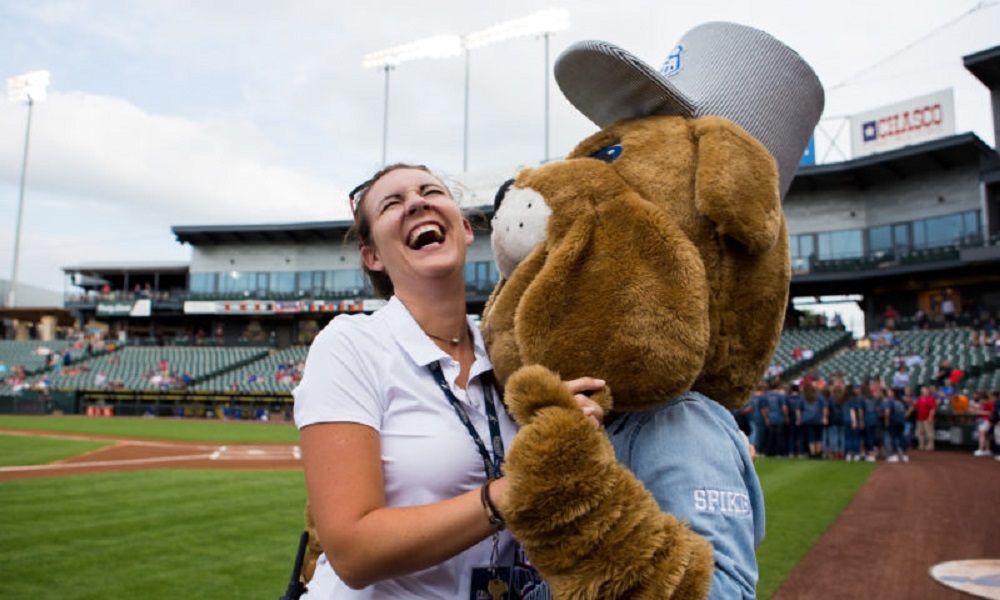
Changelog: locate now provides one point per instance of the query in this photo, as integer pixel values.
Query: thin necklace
(453, 341)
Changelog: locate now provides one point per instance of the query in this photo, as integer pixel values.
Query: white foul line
(103, 463)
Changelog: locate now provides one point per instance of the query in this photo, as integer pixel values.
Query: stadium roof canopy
(210, 235)
(131, 267)
(985, 65)
(938, 155)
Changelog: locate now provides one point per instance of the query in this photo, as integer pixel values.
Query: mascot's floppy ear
(736, 185)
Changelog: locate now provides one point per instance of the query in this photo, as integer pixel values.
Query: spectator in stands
(983, 426)
(995, 423)
(919, 320)
(774, 371)
(406, 509)
(891, 317)
(894, 420)
(948, 310)
(100, 380)
(926, 405)
(989, 328)
(943, 374)
(959, 403)
(900, 381)
(807, 355)
(796, 353)
(975, 339)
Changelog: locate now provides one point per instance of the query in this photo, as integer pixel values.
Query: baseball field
(161, 508)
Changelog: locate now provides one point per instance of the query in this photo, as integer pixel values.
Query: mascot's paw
(533, 388)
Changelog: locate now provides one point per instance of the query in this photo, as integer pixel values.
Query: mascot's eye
(609, 154)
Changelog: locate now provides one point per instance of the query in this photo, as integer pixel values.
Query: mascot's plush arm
(595, 512)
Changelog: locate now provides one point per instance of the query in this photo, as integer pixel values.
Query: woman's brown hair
(809, 392)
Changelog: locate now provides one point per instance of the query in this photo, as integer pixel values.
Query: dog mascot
(655, 257)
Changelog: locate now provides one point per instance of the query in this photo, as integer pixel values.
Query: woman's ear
(370, 257)
(469, 236)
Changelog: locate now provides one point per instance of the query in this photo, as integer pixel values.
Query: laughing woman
(402, 429)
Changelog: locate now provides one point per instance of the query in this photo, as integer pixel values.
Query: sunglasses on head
(354, 198)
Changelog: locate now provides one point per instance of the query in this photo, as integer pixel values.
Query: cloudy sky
(198, 112)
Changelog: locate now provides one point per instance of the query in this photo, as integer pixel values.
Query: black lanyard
(493, 465)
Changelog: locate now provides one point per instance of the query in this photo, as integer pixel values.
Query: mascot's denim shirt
(693, 458)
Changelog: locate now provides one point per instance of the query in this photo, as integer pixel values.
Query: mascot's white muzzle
(519, 220)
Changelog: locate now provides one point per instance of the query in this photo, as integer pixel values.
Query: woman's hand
(581, 389)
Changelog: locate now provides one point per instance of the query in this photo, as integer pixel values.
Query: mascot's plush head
(655, 256)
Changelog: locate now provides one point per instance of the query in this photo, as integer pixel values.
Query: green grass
(188, 430)
(18, 450)
(802, 499)
(151, 534)
(232, 534)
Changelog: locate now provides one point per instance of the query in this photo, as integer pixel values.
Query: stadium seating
(136, 367)
(822, 342)
(28, 354)
(259, 375)
(252, 370)
(927, 350)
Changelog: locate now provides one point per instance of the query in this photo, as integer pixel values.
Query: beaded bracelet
(496, 521)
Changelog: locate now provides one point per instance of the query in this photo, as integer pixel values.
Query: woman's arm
(364, 540)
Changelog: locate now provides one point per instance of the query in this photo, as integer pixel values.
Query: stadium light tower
(440, 46)
(544, 23)
(29, 88)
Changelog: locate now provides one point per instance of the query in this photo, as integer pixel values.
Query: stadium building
(908, 221)
(911, 220)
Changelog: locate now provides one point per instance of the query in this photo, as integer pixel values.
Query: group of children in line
(818, 419)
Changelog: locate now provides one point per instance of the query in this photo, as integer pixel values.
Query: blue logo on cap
(673, 62)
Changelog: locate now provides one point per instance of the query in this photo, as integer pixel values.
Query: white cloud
(111, 152)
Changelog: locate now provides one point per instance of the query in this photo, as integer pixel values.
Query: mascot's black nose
(498, 200)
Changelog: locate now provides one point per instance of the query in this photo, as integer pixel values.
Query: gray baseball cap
(724, 69)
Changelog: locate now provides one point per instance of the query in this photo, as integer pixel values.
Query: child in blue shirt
(853, 413)
(894, 419)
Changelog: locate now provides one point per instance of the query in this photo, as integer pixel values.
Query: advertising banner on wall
(904, 123)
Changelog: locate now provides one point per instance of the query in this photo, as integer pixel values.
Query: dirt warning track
(126, 454)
